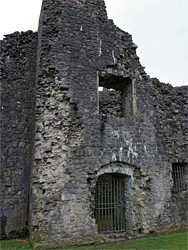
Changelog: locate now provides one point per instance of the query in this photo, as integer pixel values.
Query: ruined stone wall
(172, 114)
(75, 143)
(135, 127)
(172, 108)
(17, 79)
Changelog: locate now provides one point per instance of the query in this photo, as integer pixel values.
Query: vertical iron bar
(108, 214)
(102, 203)
(178, 179)
(175, 182)
(105, 203)
(173, 177)
(99, 205)
(174, 171)
(124, 217)
(121, 198)
(96, 205)
(114, 184)
(181, 177)
(117, 189)
(112, 226)
(178, 174)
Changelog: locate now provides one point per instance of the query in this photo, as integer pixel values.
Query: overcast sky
(158, 27)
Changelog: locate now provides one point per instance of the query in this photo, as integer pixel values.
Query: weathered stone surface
(17, 79)
(136, 127)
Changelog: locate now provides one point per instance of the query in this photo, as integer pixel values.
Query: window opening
(110, 203)
(178, 175)
(110, 102)
(115, 95)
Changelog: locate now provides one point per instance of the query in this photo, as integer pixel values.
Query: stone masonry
(17, 87)
(76, 105)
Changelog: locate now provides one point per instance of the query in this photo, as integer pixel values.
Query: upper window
(178, 175)
(115, 95)
(110, 203)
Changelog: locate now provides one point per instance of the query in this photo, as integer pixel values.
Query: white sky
(158, 27)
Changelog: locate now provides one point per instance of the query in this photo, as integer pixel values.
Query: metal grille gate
(178, 175)
(110, 203)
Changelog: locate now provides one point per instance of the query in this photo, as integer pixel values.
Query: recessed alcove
(115, 96)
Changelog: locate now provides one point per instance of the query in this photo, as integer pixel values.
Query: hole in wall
(115, 95)
(100, 89)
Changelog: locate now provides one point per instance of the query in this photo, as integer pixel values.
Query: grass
(15, 245)
(174, 241)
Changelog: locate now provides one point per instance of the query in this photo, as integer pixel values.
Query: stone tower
(109, 157)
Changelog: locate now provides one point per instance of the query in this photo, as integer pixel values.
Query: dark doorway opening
(110, 203)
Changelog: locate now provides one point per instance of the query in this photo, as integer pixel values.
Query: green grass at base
(14, 245)
(173, 241)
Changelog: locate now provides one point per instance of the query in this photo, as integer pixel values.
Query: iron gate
(178, 175)
(110, 203)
